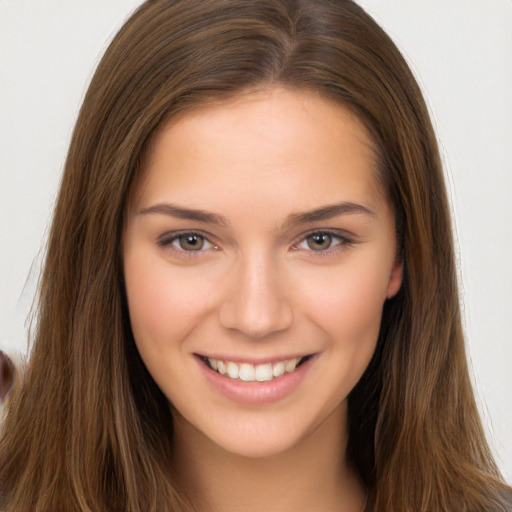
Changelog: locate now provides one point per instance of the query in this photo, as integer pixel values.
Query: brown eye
(186, 242)
(319, 241)
(191, 242)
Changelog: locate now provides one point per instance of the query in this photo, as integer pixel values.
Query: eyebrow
(328, 212)
(185, 213)
(323, 213)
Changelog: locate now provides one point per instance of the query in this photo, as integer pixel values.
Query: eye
(190, 242)
(186, 242)
(322, 241)
(319, 241)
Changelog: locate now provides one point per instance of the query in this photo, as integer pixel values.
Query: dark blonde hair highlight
(87, 429)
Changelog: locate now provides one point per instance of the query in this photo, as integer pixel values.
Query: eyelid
(166, 240)
(344, 240)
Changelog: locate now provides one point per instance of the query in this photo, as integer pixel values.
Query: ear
(395, 279)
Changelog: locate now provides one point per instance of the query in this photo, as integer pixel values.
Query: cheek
(349, 313)
(163, 305)
(350, 299)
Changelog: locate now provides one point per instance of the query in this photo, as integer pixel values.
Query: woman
(249, 300)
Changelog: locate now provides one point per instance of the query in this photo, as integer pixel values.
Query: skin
(261, 287)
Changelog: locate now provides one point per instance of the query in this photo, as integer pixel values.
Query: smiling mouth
(247, 372)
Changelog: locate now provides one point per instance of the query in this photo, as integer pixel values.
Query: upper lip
(254, 360)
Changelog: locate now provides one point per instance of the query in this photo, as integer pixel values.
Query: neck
(313, 475)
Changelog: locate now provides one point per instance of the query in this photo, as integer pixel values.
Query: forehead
(268, 141)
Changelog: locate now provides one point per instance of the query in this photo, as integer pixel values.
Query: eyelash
(169, 240)
(338, 241)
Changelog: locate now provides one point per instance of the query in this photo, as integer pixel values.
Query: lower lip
(256, 393)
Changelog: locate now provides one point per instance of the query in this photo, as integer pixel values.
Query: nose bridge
(257, 303)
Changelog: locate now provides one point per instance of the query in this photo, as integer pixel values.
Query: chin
(266, 434)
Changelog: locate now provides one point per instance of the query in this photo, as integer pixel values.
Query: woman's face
(259, 245)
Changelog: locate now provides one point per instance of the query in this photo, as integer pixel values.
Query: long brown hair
(87, 428)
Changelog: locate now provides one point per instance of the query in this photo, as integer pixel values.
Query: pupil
(321, 241)
(191, 242)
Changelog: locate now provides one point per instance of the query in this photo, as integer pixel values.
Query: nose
(256, 303)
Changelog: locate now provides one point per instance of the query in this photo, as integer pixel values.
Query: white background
(461, 53)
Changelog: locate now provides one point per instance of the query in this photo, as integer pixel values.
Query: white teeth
(291, 364)
(221, 367)
(247, 372)
(278, 369)
(264, 372)
(250, 373)
(233, 370)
